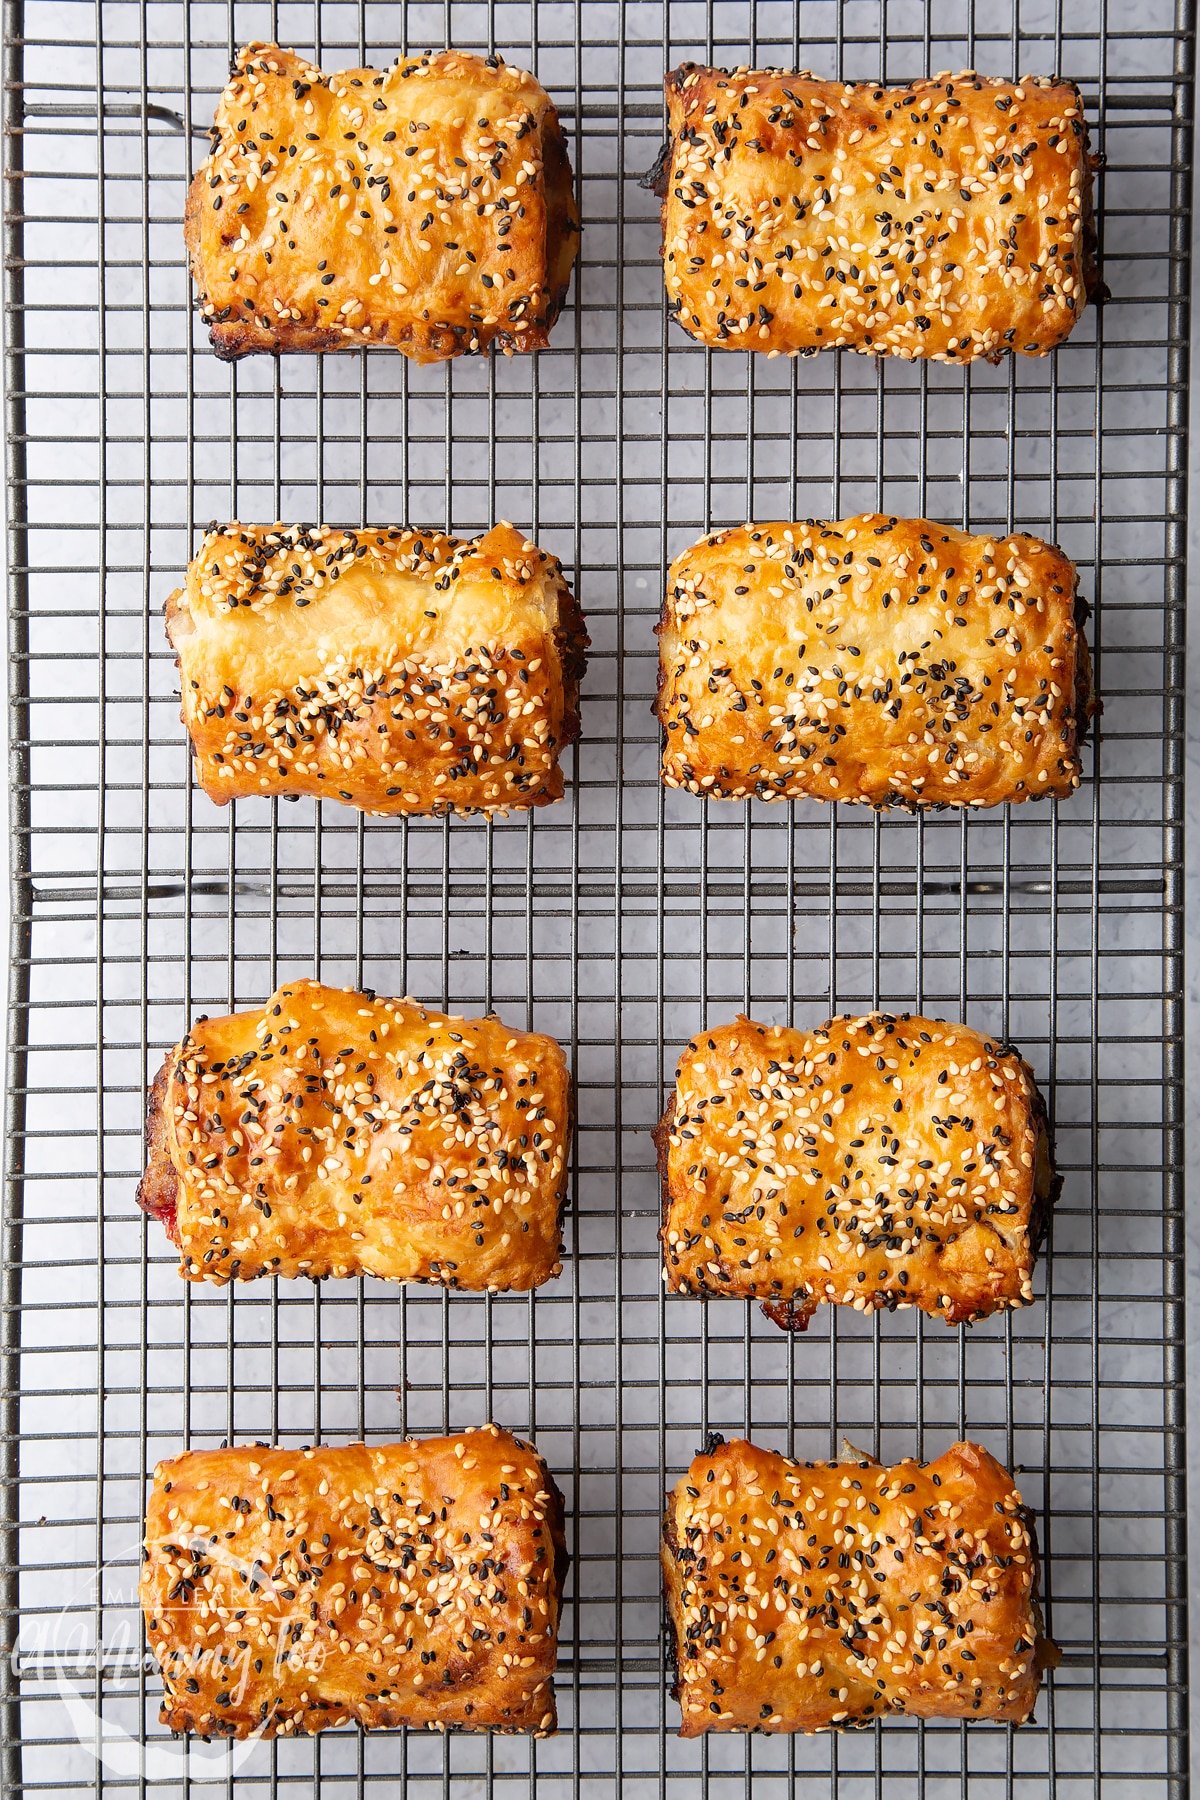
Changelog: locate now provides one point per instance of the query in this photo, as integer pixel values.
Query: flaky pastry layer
(399, 671)
(950, 219)
(427, 207)
(290, 1591)
(808, 1595)
(892, 662)
(330, 1133)
(882, 1161)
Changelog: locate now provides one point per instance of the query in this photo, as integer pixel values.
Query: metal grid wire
(620, 920)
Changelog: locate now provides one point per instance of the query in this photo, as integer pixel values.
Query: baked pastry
(880, 1161)
(290, 1591)
(887, 661)
(807, 1595)
(427, 207)
(329, 1133)
(950, 219)
(400, 671)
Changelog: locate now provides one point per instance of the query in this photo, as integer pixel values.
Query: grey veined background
(621, 919)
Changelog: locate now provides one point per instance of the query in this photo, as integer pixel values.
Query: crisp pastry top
(874, 659)
(330, 1133)
(401, 671)
(808, 1595)
(878, 1161)
(427, 207)
(291, 1591)
(950, 219)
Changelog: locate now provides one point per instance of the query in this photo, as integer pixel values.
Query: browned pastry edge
(669, 1545)
(1047, 1179)
(572, 642)
(793, 1315)
(557, 1520)
(158, 1189)
(655, 181)
(233, 339)
(1047, 1654)
(1087, 702)
(1095, 287)
(562, 227)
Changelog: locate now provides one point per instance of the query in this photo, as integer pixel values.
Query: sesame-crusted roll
(807, 1595)
(891, 662)
(418, 1583)
(883, 1161)
(949, 219)
(427, 207)
(329, 1133)
(400, 671)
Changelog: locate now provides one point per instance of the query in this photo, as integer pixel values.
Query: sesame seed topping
(438, 220)
(884, 661)
(335, 1134)
(808, 1595)
(399, 1584)
(885, 1161)
(397, 670)
(950, 219)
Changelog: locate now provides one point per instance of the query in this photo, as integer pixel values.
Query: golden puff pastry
(807, 1595)
(950, 219)
(330, 1134)
(427, 207)
(892, 662)
(290, 1591)
(399, 671)
(883, 1161)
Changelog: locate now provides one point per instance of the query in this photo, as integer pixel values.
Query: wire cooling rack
(620, 920)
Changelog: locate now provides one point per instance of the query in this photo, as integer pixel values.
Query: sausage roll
(331, 1133)
(400, 671)
(950, 219)
(427, 207)
(881, 1161)
(290, 1591)
(887, 661)
(807, 1595)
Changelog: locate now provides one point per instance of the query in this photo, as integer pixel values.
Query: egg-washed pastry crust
(883, 1161)
(874, 660)
(291, 1591)
(950, 219)
(330, 1133)
(427, 207)
(396, 670)
(803, 1596)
